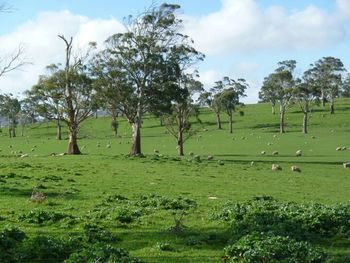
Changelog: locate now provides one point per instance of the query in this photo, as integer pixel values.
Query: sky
(240, 38)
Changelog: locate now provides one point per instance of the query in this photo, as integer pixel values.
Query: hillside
(87, 187)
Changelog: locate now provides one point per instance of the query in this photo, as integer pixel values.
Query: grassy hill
(91, 188)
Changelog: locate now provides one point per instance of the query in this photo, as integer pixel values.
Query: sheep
(346, 165)
(338, 149)
(275, 153)
(276, 167)
(24, 155)
(299, 153)
(295, 168)
(263, 153)
(210, 157)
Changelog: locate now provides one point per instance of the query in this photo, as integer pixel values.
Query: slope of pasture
(78, 184)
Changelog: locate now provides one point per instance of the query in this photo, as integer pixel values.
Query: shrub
(259, 248)
(94, 233)
(10, 239)
(101, 253)
(287, 219)
(48, 249)
(40, 216)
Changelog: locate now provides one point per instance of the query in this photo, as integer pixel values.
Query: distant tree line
(324, 81)
(150, 68)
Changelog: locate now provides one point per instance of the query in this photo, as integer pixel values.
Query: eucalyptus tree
(66, 93)
(327, 73)
(346, 87)
(229, 98)
(14, 60)
(10, 108)
(268, 94)
(48, 96)
(140, 59)
(305, 93)
(281, 83)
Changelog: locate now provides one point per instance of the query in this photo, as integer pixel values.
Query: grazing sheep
(269, 143)
(263, 153)
(108, 146)
(62, 154)
(295, 169)
(24, 155)
(32, 150)
(220, 162)
(156, 151)
(346, 165)
(343, 148)
(252, 163)
(275, 153)
(210, 157)
(338, 149)
(299, 153)
(276, 167)
(190, 153)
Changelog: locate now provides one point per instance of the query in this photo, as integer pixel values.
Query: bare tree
(14, 60)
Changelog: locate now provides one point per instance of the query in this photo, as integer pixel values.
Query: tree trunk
(161, 122)
(305, 119)
(180, 143)
(230, 122)
(332, 106)
(73, 140)
(13, 128)
(22, 130)
(114, 125)
(273, 109)
(282, 112)
(323, 98)
(136, 139)
(59, 130)
(9, 127)
(218, 121)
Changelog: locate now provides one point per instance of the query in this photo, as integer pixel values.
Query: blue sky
(241, 38)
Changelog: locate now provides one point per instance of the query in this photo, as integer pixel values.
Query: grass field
(84, 188)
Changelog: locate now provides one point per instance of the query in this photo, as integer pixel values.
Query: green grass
(76, 185)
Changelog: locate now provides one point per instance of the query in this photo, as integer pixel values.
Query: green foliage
(40, 216)
(101, 252)
(47, 248)
(301, 221)
(262, 248)
(10, 239)
(161, 202)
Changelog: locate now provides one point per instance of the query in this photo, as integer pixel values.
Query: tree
(305, 93)
(268, 94)
(48, 96)
(140, 60)
(177, 121)
(327, 74)
(228, 99)
(10, 108)
(281, 83)
(211, 99)
(346, 86)
(67, 94)
(16, 59)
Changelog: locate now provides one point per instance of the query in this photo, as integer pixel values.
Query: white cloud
(43, 47)
(242, 25)
(209, 77)
(344, 8)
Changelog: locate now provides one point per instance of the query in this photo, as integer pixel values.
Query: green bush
(40, 217)
(260, 248)
(287, 219)
(101, 253)
(10, 239)
(48, 249)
